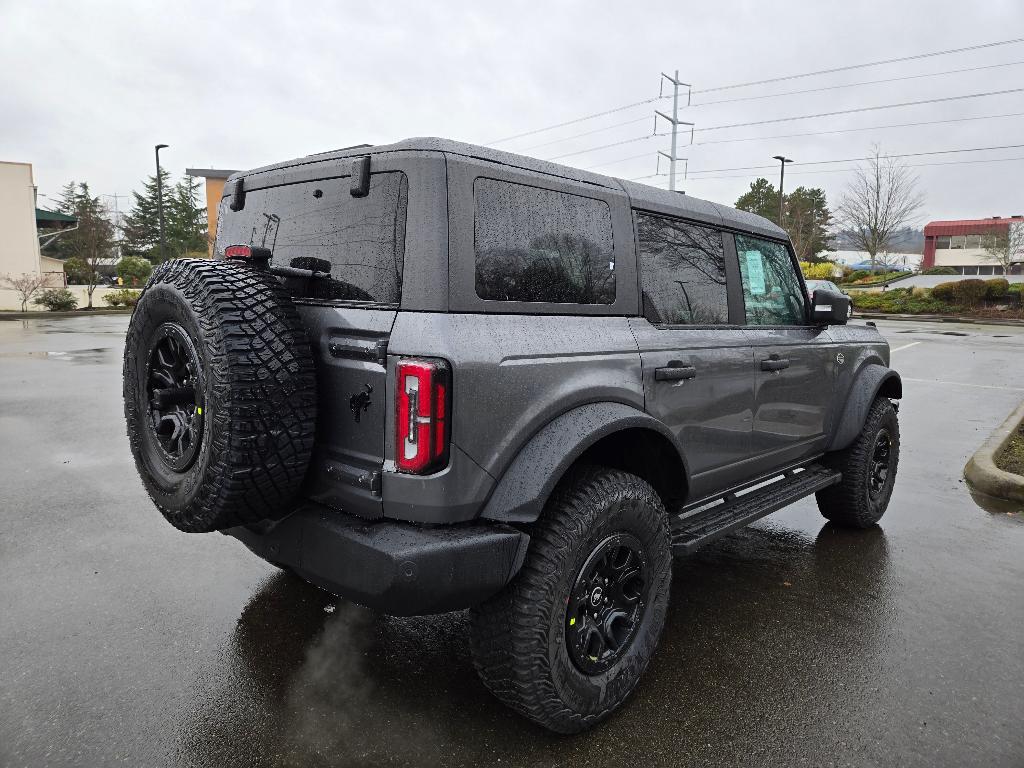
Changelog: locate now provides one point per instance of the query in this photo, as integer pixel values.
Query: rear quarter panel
(512, 374)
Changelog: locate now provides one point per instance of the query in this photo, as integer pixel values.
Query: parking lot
(790, 643)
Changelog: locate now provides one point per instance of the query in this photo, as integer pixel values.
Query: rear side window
(682, 271)
(771, 288)
(319, 224)
(535, 244)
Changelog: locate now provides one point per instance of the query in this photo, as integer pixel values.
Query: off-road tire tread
(847, 503)
(508, 633)
(261, 390)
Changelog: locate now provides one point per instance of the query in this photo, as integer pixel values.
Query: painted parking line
(962, 384)
(905, 346)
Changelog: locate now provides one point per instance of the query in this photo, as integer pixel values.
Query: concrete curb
(981, 471)
(45, 315)
(938, 319)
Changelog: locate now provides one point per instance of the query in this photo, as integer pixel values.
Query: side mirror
(830, 308)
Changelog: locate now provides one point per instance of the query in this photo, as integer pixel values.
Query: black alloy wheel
(606, 603)
(880, 465)
(174, 388)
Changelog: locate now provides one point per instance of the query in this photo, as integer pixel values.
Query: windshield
(320, 225)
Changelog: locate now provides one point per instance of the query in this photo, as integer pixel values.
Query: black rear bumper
(397, 568)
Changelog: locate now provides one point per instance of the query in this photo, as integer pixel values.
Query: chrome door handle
(774, 364)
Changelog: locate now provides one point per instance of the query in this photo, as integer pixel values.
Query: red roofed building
(961, 245)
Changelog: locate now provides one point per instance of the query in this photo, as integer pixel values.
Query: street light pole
(782, 178)
(160, 202)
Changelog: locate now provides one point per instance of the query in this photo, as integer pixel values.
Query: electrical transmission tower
(675, 122)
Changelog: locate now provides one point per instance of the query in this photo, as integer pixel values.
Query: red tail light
(238, 252)
(421, 415)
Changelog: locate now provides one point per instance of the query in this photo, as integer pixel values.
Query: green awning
(53, 219)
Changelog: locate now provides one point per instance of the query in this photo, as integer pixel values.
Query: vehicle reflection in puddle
(82, 356)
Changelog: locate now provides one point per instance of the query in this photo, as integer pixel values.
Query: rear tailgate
(350, 349)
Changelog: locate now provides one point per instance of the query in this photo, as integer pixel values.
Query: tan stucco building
(214, 189)
(19, 242)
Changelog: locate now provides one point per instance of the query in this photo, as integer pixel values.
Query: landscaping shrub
(56, 300)
(968, 293)
(857, 274)
(939, 271)
(122, 298)
(903, 300)
(1016, 288)
(996, 287)
(822, 271)
(945, 291)
(134, 270)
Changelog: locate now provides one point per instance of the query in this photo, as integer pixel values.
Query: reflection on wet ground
(85, 356)
(789, 643)
(307, 685)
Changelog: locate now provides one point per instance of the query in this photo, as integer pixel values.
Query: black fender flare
(870, 380)
(525, 486)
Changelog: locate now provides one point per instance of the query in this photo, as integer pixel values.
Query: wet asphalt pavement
(791, 643)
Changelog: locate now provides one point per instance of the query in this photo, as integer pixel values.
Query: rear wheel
(869, 471)
(568, 640)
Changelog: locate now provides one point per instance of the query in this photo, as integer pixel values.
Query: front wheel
(869, 471)
(567, 641)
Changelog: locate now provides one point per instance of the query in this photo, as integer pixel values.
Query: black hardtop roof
(641, 196)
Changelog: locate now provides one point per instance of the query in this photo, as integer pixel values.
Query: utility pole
(160, 202)
(117, 220)
(782, 177)
(675, 121)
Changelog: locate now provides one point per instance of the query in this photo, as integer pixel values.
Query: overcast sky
(87, 88)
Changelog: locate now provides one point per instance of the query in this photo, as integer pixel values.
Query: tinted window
(771, 288)
(682, 268)
(361, 238)
(538, 245)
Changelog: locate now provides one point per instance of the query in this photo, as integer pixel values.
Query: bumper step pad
(695, 529)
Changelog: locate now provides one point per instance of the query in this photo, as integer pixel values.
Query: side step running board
(696, 529)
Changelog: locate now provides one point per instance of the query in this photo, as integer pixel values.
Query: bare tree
(881, 200)
(27, 285)
(1006, 248)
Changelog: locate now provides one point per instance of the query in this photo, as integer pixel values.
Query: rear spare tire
(219, 394)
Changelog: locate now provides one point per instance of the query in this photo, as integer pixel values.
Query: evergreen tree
(187, 230)
(806, 215)
(808, 220)
(93, 240)
(762, 199)
(141, 228)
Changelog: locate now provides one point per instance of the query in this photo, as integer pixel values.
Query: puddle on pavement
(1004, 507)
(85, 356)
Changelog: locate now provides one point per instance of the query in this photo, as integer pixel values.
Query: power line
(771, 96)
(865, 109)
(854, 168)
(847, 68)
(573, 122)
(854, 85)
(643, 119)
(846, 160)
(815, 133)
(862, 128)
(757, 82)
(798, 117)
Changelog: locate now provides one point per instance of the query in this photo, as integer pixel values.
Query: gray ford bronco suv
(431, 376)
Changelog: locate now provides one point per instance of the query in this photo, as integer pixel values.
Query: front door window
(771, 287)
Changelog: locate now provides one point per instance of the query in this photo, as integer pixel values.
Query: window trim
(731, 266)
(804, 300)
(462, 172)
(401, 226)
(611, 232)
